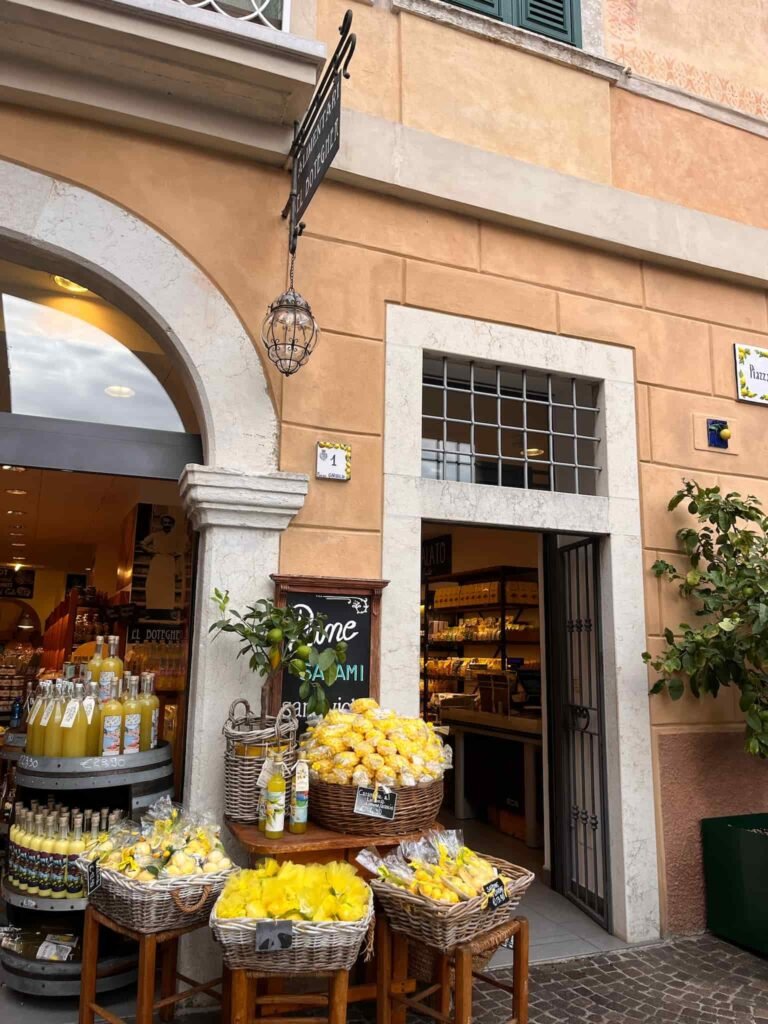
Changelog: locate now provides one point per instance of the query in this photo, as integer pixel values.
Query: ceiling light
(25, 622)
(69, 286)
(19, 544)
(88, 568)
(533, 453)
(119, 391)
(15, 490)
(16, 512)
(18, 566)
(14, 469)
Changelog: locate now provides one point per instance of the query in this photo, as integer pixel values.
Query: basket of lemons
(372, 748)
(163, 873)
(293, 918)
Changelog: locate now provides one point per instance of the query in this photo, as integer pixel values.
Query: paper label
(300, 794)
(110, 734)
(89, 706)
(92, 877)
(74, 877)
(34, 713)
(372, 804)
(266, 773)
(275, 812)
(47, 713)
(54, 951)
(70, 714)
(105, 685)
(155, 720)
(132, 734)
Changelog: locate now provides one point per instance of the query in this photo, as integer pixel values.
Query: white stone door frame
(613, 514)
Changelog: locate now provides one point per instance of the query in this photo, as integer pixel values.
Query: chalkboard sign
(372, 803)
(496, 893)
(17, 583)
(437, 555)
(351, 608)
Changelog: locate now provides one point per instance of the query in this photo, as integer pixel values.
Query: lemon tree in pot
(283, 639)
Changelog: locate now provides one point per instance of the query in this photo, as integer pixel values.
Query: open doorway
(510, 675)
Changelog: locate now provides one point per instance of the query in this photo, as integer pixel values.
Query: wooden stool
(162, 946)
(253, 996)
(392, 969)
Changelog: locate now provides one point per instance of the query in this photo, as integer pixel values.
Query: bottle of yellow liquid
(111, 722)
(51, 723)
(275, 811)
(111, 670)
(74, 726)
(92, 720)
(300, 796)
(46, 852)
(150, 713)
(59, 862)
(94, 665)
(125, 686)
(33, 721)
(35, 843)
(23, 839)
(76, 847)
(13, 843)
(132, 718)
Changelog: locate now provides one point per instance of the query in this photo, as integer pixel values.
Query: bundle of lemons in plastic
(168, 843)
(371, 746)
(439, 867)
(296, 892)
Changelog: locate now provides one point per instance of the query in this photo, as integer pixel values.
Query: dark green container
(736, 874)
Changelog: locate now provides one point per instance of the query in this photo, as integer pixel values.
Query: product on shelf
(38, 944)
(300, 795)
(168, 843)
(274, 809)
(295, 892)
(369, 745)
(438, 867)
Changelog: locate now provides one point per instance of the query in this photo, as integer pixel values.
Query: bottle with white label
(300, 796)
(38, 837)
(34, 733)
(51, 723)
(93, 721)
(59, 861)
(46, 853)
(132, 718)
(74, 726)
(150, 713)
(111, 723)
(275, 818)
(111, 670)
(76, 847)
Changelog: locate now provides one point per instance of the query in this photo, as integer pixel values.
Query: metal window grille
(509, 427)
(269, 13)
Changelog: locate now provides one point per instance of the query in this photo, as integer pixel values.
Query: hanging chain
(290, 272)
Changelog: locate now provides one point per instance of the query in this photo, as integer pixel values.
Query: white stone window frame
(613, 515)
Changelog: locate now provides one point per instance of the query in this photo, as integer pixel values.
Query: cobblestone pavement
(698, 980)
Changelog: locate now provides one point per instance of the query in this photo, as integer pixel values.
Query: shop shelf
(18, 898)
(60, 773)
(46, 978)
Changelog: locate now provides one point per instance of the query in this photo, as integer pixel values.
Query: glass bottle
(96, 659)
(132, 718)
(111, 722)
(13, 843)
(300, 796)
(275, 810)
(35, 843)
(111, 669)
(46, 853)
(59, 862)
(76, 847)
(74, 726)
(93, 721)
(23, 838)
(34, 723)
(150, 713)
(125, 686)
(51, 723)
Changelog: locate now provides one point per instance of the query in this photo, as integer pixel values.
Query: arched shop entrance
(136, 429)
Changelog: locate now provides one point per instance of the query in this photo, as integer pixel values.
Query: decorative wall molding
(227, 498)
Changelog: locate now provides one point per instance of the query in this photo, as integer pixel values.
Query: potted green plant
(283, 639)
(726, 582)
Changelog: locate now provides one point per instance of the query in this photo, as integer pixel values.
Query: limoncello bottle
(74, 726)
(111, 670)
(59, 861)
(300, 796)
(13, 843)
(23, 838)
(150, 713)
(46, 852)
(275, 817)
(132, 718)
(34, 745)
(94, 665)
(35, 843)
(111, 722)
(51, 723)
(76, 847)
(92, 721)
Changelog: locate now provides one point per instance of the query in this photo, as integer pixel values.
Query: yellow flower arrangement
(296, 892)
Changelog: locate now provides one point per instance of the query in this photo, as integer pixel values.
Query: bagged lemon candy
(406, 778)
(346, 759)
(385, 777)
(340, 776)
(321, 767)
(386, 748)
(363, 704)
(373, 762)
(361, 776)
(365, 748)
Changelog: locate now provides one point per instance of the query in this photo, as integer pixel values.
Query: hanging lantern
(290, 332)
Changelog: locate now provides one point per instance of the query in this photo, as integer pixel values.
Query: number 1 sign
(334, 461)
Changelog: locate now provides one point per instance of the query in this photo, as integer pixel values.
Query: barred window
(509, 427)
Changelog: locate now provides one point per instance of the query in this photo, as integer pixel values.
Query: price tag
(92, 877)
(70, 714)
(47, 713)
(274, 936)
(266, 773)
(372, 804)
(33, 716)
(497, 894)
(88, 707)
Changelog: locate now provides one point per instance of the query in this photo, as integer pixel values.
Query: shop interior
(483, 683)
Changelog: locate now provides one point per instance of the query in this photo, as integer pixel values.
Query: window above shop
(557, 19)
(509, 427)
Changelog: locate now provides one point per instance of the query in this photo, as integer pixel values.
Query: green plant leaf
(675, 688)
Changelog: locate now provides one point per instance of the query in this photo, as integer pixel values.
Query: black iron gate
(577, 727)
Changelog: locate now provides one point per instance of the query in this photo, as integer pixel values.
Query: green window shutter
(499, 9)
(558, 19)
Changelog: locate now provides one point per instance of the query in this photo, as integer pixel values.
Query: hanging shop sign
(351, 609)
(437, 555)
(17, 582)
(751, 374)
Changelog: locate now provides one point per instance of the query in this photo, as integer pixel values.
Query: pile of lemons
(370, 746)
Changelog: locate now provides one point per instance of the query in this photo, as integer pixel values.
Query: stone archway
(237, 501)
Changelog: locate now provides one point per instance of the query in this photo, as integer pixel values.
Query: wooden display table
(315, 846)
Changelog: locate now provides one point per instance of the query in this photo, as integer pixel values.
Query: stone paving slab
(699, 980)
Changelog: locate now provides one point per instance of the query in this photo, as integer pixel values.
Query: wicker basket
(249, 743)
(333, 806)
(157, 906)
(318, 947)
(445, 926)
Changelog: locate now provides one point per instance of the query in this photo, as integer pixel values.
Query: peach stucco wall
(362, 251)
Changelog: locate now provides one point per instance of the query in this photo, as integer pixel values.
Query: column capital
(245, 501)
